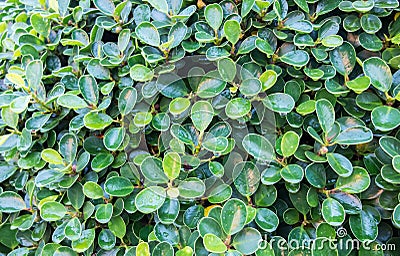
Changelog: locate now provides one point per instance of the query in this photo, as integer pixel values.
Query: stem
(37, 100)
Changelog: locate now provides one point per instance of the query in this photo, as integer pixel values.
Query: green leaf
(181, 134)
(85, 241)
(216, 168)
(71, 101)
(97, 70)
(148, 33)
(370, 23)
(300, 26)
(118, 186)
(177, 34)
(246, 178)
(40, 24)
(10, 118)
(141, 73)
(161, 122)
(390, 145)
(289, 144)
(220, 194)
(106, 239)
(364, 226)
(306, 107)
(105, 6)
(89, 89)
(52, 211)
(233, 216)
(20, 104)
(298, 58)
(258, 146)
(359, 84)
(326, 6)
(357, 182)
(216, 144)
(113, 138)
(127, 100)
(379, 73)
(332, 41)
(370, 42)
(68, 147)
(291, 216)
(299, 199)
(152, 169)
(210, 87)
(160, 5)
(51, 156)
(101, 161)
(267, 219)
(247, 45)
(192, 215)
(167, 233)
(104, 212)
(343, 58)
(385, 118)
(96, 120)
(209, 225)
(326, 114)
(292, 173)
(396, 163)
(202, 114)
(142, 119)
(264, 47)
(11, 202)
(34, 72)
(396, 215)
(279, 102)
(232, 31)
(303, 5)
(171, 164)
(150, 199)
(92, 190)
(250, 87)
(313, 73)
(169, 211)
(8, 237)
(389, 174)
(214, 244)
(268, 79)
(214, 15)
(351, 203)
(73, 229)
(179, 105)
(340, 164)
(247, 241)
(247, 5)
(123, 39)
(227, 69)
(354, 135)
(333, 212)
(117, 226)
(237, 108)
(271, 175)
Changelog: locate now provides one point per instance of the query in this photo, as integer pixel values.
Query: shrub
(180, 127)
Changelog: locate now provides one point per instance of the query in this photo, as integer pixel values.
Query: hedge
(172, 127)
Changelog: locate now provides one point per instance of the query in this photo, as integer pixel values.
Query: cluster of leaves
(291, 137)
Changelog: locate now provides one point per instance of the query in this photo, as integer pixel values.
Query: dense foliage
(280, 135)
